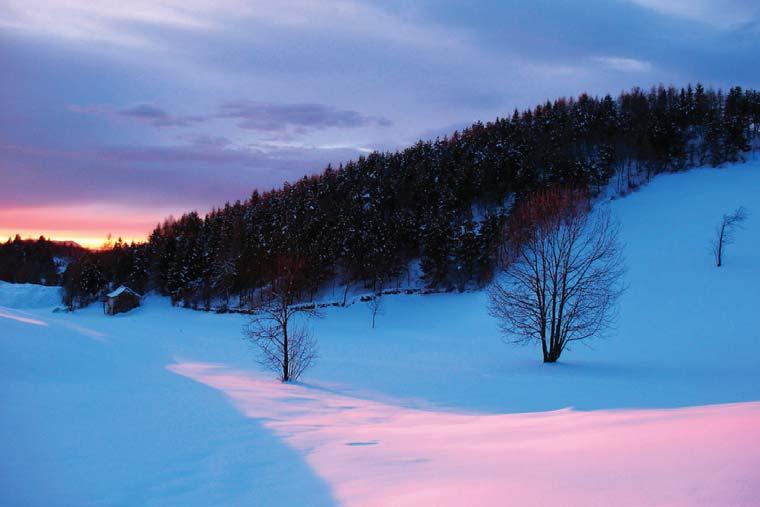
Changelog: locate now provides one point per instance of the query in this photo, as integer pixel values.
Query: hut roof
(121, 290)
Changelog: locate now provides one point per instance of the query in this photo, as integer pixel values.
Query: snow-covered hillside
(166, 406)
(26, 295)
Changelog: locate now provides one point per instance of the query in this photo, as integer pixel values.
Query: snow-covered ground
(166, 406)
(28, 295)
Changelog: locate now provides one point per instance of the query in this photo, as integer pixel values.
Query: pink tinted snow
(20, 318)
(378, 454)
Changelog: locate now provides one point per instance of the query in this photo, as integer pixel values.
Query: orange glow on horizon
(88, 225)
(92, 243)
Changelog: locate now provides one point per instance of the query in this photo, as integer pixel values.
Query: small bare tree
(562, 269)
(286, 347)
(724, 233)
(375, 306)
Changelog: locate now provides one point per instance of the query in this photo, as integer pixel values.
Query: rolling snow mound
(29, 295)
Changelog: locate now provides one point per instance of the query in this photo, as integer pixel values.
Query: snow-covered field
(166, 406)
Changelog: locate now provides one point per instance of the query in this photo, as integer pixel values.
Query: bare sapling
(286, 345)
(724, 233)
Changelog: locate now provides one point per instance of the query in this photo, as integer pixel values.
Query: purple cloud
(157, 117)
(148, 114)
(252, 115)
(269, 117)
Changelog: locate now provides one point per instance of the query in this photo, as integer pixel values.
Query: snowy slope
(166, 406)
(682, 323)
(93, 417)
(27, 295)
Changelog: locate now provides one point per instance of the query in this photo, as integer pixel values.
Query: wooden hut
(121, 300)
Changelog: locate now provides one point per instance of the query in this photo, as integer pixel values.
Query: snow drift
(28, 295)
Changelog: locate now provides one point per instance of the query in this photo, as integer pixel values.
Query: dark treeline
(97, 271)
(442, 202)
(36, 261)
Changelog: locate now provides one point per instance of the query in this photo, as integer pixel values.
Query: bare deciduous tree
(724, 233)
(375, 306)
(562, 272)
(286, 347)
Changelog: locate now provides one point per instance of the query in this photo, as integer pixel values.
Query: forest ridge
(442, 202)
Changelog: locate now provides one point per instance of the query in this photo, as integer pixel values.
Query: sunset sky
(116, 114)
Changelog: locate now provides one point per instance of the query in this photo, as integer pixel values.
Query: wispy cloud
(624, 64)
(133, 23)
(148, 114)
(250, 115)
(268, 117)
(109, 21)
(720, 13)
(157, 117)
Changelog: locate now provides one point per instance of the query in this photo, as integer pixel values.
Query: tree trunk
(286, 354)
(552, 356)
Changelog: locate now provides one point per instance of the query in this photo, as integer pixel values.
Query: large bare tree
(561, 274)
(724, 233)
(286, 345)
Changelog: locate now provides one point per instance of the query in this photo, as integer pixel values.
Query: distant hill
(68, 243)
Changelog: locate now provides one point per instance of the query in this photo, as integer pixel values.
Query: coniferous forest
(39, 261)
(443, 203)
